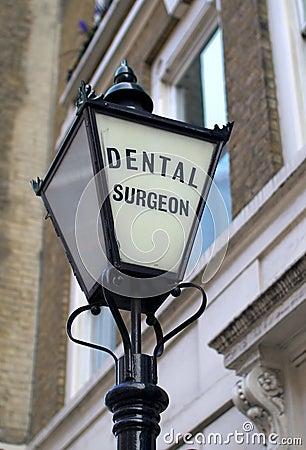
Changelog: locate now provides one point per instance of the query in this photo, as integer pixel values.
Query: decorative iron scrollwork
(86, 93)
(36, 185)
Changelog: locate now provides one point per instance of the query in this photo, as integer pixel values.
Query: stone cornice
(261, 307)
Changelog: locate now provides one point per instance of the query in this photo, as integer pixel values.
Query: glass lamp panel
(155, 180)
(72, 197)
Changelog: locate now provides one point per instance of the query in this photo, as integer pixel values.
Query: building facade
(235, 378)
(29, 82)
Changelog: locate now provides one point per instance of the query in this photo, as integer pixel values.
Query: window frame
(301, 4)
(184, 45)
(289, 70)
(82, 363)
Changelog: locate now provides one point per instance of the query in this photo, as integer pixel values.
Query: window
(100, 10)
(302, 16)
(83, 362)
(286, 23)
(202, 101)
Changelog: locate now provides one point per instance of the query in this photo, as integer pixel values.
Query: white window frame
(81, 361)
(78, 357)
(181, 49)
(301, 4)
(289, 57)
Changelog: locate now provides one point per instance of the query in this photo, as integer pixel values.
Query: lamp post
(125, 194)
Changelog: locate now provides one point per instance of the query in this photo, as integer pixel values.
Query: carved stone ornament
(259, 396)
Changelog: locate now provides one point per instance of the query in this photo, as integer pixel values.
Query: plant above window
(99, 13)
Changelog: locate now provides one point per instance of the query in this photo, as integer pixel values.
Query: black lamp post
(125, 193)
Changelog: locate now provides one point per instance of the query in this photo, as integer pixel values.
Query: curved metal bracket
(70, 321)
(126, 341)
(153, 322)
(110, 300)
(176, 292)
(123, 333)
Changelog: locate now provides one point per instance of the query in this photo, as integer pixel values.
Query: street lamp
(125, 194)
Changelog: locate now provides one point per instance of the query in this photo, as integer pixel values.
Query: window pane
(103, 333)
(189, 91)
(213, 84)
(215, 112)
(202, 101)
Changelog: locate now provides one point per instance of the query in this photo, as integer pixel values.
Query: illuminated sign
(155, 180)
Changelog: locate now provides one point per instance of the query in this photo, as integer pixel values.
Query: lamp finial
(125, 73)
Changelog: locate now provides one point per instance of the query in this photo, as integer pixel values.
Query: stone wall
(28, 46)
(50, 364)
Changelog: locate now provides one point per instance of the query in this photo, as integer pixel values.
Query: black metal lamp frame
(134, 106)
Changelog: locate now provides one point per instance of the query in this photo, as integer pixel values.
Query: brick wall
(50, 363)
(146, 48)
(28, 45)
(255, 146)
